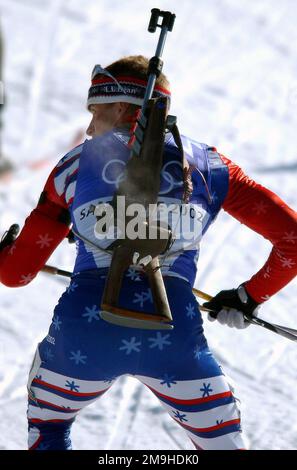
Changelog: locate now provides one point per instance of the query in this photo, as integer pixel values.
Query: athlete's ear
(122, 108)
(122, 112)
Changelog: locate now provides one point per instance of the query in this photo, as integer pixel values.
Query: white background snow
(233, 70)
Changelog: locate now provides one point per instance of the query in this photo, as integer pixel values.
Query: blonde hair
(136, 66)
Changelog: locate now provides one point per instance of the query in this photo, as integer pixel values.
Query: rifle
(141, 185)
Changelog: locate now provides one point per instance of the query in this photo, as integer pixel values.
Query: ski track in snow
(240, 96)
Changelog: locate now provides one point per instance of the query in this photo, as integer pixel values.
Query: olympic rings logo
(169, 179)
(113, 167)
(113, 173)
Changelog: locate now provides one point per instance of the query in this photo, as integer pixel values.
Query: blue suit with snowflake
(82, 356)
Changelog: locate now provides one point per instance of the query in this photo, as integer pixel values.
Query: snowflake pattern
(190, 311)
(287, 263)
(159, 341)
(133, 274)
(77, 357)
(206, 390)
(179, 416)
(168, 380)
(48, 354)
(260, 208)
(91, 313)
(72, 287)
(26, 278)
(72, 386)
(130, 346)
(44, 241)
(143, 297)
(197, 353)
(57, 322)
(290, 237)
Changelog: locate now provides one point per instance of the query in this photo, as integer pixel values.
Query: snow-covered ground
(233, 69)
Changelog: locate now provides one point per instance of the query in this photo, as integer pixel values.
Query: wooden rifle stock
(141, 186)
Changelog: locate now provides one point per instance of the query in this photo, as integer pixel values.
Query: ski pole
(55, 271)
(284, 331)
(288, 333)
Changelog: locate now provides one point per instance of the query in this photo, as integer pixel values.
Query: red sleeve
(265, 213)
(44, 229)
